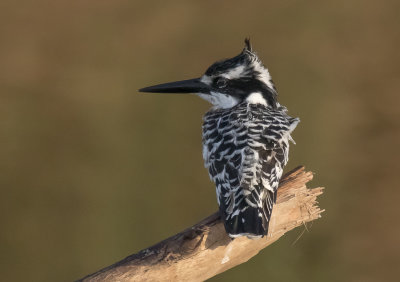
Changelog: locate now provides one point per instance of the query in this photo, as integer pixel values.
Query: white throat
(224, 101)
(220, 100)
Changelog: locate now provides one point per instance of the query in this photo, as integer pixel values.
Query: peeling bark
(205, 250)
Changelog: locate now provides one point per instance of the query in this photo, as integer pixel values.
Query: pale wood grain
(205, 250)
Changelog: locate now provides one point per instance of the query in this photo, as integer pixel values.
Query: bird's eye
(221, 82)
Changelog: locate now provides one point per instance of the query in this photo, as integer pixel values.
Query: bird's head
(228, 82)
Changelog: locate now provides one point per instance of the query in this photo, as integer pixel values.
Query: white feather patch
(256, 98)
(264, 73)
(234, 73)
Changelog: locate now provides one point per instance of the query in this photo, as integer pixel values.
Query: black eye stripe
(220, 82)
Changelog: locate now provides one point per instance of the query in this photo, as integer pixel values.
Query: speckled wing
(245, 149)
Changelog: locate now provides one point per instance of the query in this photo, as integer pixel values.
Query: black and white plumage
(245, 150)
(245, 139)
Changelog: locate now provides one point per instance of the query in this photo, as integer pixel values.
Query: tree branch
(205, 250)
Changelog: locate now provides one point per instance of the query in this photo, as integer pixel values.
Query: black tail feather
(251, 222)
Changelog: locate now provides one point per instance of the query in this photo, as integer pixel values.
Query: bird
(245, 138)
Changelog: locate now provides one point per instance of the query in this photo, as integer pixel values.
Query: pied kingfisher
(245, 138)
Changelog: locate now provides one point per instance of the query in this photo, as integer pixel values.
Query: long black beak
(183, 86)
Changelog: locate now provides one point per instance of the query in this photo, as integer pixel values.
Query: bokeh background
(92, 171)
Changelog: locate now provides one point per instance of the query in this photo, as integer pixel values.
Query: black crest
(244, 58)
(247, 45)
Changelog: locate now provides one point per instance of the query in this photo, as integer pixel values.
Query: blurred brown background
(92, 171)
